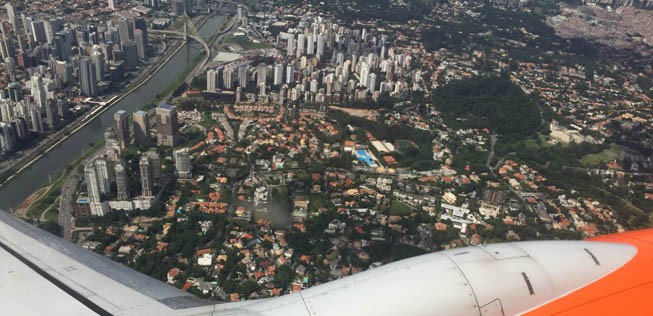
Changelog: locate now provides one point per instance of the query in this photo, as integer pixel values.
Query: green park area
(399, 208)
(604, 156)
(245, 42)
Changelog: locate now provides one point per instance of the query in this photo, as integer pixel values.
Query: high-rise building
(92, 183)
(243, 76)
(87, 76)
(301, 43)
(112, 4)
(141, 24)
(102, 175)
(10, 65)
(364, 74)
(7, 138)
(141, 128)
(371, 82)
(97, 207)
(38, 91)
(239, 94)
(261, 74)
(141, 46)
(121, 128)
(166, 125)
(211, 81)
(52, 26)
(155, 167)
(98, 62)
(182, 163)
(125, 30)
(62, 109)
(228, 78)
(130, 52)
(278, 74)
(310, 44)
(320, 45)
(290, 73)
(15, 91)
(37, 28)
(11, 13)
(291, 45)
(51, 113)
(121, 181)
(146, 176)
(35, 119)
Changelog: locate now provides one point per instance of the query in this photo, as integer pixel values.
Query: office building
(102, 175)
(146, 176)
(166, 125)
(87, 77)
(155, 167)
(51, 113)
(121, 182)
(7, 138)
(130, 52)
(98, 62)
(121, 128)
(97, 207)
(182, 163)
(141, 45)
(141, 128)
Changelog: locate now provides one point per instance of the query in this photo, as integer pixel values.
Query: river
(14, 192)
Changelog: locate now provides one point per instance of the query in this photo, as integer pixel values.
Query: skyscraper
(211, 80)
(7, 137)
(155, 167)
(141, 128)
(87, 76)
(141, 46)
(125, 30)
(261, 74)
(97, 207)
(228, 78)
(291, 45)
(102, 176)
(182, 163)
(130, 52)
(98, 63)
(166, 125)
(35, 118)
(146, 176)
(121, 181)
(51, 113)
(92, 183)
(243, 76)
(290, 73)
(320, 45)
(278, 74)
(141, 24)
(11, 13)
(121, 128)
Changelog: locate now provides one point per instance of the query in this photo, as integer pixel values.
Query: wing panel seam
(68, 290)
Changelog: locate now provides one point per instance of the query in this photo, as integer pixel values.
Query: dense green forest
(488, 102)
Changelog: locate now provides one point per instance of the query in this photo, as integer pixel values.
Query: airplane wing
(42, 274)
